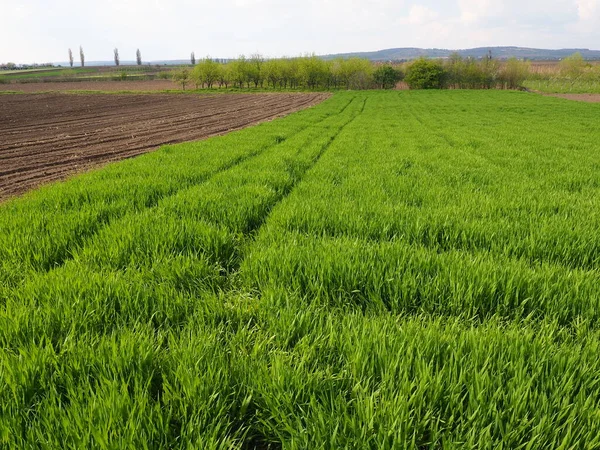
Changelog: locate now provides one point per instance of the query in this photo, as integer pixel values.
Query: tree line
(313, 72)
(117, 59)
(457, 72)
(307, 72)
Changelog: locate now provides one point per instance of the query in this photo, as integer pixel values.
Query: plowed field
(46, 137)
(104, 86)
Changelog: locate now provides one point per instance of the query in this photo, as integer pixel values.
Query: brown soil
(107, 86)
(46, 137)
(590, 98)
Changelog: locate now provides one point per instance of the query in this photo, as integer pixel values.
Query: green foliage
(425, 74)
(312, 71)
(182, 76)
(225, 75)
(514, 73)
(572, 66)
(386, 77)
(273, 72)
(255, 70)
(574, 75)
(206, 72)
(239, 71)
(165, 75)
(471, 74)
(307, 72)
(352, 73)
(384, 270)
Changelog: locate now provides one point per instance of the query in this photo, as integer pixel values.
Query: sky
(43, 30)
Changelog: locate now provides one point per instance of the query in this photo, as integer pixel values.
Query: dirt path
(46, 137)
(590, 98)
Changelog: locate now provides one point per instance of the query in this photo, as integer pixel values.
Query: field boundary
(72, 139)
(70, 252)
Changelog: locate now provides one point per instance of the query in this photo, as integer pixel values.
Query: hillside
(397, 54)
(408, 53)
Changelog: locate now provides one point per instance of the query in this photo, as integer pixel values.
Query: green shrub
(514, 73)
(386, 77)
(182, 77)
(425, 74)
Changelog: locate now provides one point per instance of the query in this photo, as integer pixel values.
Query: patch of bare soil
(46, 137)
(105, 86)
(590, 98)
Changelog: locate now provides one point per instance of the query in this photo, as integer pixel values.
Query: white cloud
(588, 9)
(589, 18)
(472, 11)
(43, 30)
(421, 15)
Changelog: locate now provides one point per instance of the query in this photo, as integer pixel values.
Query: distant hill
(408, 53)
(402, 54)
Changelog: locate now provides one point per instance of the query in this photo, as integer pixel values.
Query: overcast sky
(43, 30)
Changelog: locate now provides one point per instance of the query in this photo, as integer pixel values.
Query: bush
(572, 66)
(182, 77)
(425, 74)
(469, 73)
(386, 77)
(514, 73)
(207, 72)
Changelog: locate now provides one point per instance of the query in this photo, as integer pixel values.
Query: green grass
(67, 72)
(384, 270)
(77, 74)
(24, 71)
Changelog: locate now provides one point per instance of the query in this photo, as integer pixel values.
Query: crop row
(385, 270)
(438, 216)
(44, 231)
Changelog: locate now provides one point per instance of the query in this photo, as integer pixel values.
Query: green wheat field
(386, 270)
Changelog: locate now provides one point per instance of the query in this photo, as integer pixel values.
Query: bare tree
(81, 56)
(70, 57)
(138, 57)
(193, 59)
(117, 60)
